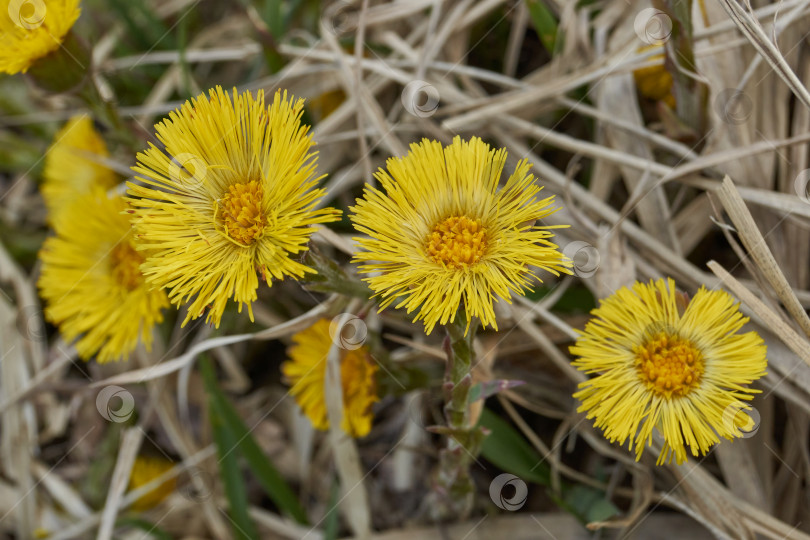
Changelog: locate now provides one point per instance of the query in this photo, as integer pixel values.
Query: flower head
(31, 29)
(144, 470)
(306, 373)
(662, 363)
(441, 233)
(91, 281)
(70, 171)
(233, 193)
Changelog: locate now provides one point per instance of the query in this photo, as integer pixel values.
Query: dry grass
(715, 193)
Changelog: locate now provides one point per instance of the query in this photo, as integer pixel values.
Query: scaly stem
(458, 375)
(454, 487)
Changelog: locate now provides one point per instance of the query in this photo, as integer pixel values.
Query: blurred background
(632, 114)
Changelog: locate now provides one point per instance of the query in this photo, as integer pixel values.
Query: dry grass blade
(773, 321)
(170, 366)
(354, 500)
(130, 445)
(756, 246)
(18, 437)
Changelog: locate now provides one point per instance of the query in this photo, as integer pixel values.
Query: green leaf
(508, 450)
(544, 23)
(235, 492)
(271, 481)
(273, 18)
(589, 503)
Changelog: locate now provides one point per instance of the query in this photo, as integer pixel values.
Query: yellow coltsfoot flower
(306, 373)
(232, 195)
(91, 281)
(70, 171)
(442, 234)
(32, 29)
(660, 362)
(144, 470)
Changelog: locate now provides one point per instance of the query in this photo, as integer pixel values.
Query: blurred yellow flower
(144, 470)
(31, 29)
(70, 171)
(232, 194)
(663, 363)
(327, 103)
(306, 373)
(442, 234)
(91, 281)
(655, 82)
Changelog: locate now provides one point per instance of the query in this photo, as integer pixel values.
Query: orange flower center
(457, 241)
(242, 212)
(126, 263)
(669, 365)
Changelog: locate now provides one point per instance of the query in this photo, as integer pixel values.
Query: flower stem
(454, 486)
(458, 374)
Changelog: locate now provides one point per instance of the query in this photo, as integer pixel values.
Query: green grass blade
(274, 18)
(231, 476)
(331, 521)
(271, 481)
(544, 23)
